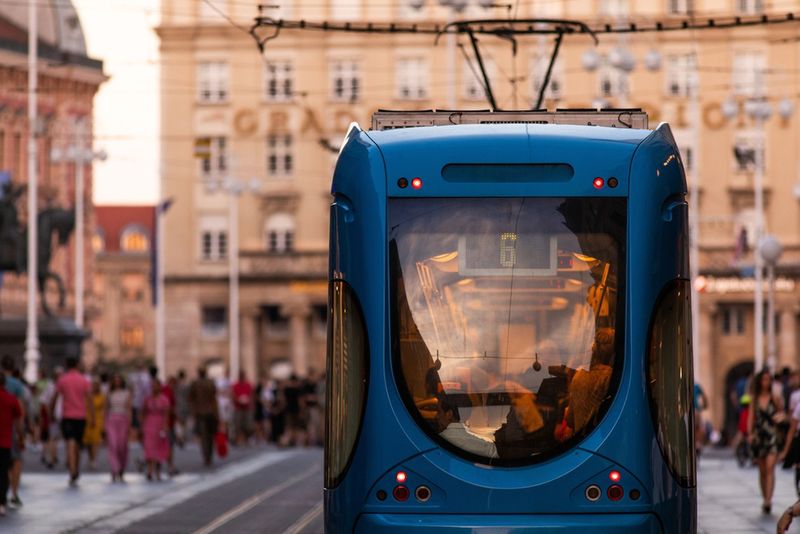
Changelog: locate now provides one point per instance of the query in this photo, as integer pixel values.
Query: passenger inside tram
(505, 340)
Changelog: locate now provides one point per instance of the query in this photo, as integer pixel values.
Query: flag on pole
(160, 210)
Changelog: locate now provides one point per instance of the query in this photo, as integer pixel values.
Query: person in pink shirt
(76, 407)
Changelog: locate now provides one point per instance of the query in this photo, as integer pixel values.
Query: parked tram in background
(509, 332)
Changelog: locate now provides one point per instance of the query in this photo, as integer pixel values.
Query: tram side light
(614, 476)
(400, 477)
(598, 183)
(416, 183)
(613, 182)
(402, 183)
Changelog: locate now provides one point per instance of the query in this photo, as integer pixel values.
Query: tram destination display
(502, 253)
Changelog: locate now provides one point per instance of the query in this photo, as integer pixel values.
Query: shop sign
(732, 284)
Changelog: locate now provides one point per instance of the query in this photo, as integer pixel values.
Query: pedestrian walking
(53, 418)
(182, 409)
(203, 402)
(260, 411)
(295, 413)
(93, 435)
(118, 419)
(155, 430)
(10, 426)
(242, 409)
(700, 404)
(765, 414)
(15, 386)
(168, 390)
(75, 392)
(790, 455)
(313, 411)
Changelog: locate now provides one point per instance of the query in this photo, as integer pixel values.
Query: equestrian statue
(14, 241)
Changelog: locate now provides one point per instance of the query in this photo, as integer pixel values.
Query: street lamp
(235, 188)
(624, 61)
(80, 156)
(759, 110)
(770, 250)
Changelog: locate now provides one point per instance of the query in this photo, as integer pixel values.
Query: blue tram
(509, 344)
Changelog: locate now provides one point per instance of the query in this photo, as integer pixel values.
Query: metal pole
(487, 84)
(451, 68)
(233, 264)
(694, 229)
(771, 316)
(758, 301)
(80, 161)
(161, 351)
(32, 334)
(546, 81)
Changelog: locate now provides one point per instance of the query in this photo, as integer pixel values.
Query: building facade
(123, 321)
(68, 81)
(279, 117)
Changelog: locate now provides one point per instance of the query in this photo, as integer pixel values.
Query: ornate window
(411, 78)
(280, 233)
(345, 80)
(134, 238)
(212, 81)
(278, 80)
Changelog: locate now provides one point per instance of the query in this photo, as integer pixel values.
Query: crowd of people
(92, 410)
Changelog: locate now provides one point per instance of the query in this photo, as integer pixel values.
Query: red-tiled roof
(113, 220)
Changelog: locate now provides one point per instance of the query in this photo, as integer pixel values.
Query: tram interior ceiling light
(415, 4)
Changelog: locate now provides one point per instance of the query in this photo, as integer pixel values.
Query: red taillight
(416, 183)
(400, 493)
(615, 492)
(614, 476)
(598, 183)
(400, 477)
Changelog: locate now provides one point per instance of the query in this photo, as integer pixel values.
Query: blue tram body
(461, 256)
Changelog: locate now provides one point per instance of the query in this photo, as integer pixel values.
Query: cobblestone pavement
(729, 499)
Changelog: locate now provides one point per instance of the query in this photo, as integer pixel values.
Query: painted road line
(167, 496)
(303, 522)
(255, 500)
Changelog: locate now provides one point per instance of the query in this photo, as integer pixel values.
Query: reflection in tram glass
(507, 317)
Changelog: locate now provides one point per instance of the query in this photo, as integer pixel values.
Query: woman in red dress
(155, 427)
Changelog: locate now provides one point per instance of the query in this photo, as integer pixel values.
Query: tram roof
(457, 134)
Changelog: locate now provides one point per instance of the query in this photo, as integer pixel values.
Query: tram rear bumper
(504, 524)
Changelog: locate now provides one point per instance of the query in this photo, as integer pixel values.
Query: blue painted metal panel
(648, 170)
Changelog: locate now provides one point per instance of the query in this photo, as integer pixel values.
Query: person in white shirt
(453, 430)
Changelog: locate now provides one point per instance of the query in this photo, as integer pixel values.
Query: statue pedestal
(59, 338)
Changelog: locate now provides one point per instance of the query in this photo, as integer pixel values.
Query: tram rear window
(507, 319)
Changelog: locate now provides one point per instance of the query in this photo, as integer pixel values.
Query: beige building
(278, 119)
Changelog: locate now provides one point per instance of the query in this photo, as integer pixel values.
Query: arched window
(279, 231)
(98, 240)
(134, 239)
